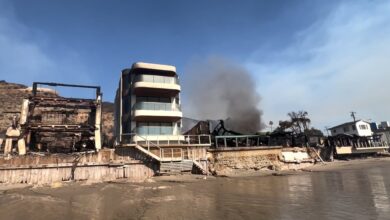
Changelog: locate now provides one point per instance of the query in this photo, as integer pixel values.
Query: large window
(153, 99)
(154, 128)
(153, 103)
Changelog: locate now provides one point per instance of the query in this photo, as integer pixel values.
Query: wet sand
(355, 189)
(349, 164)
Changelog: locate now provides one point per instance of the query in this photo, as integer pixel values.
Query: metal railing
(368, 144)
(166, 140)
(170, 154)
(128, 139)
(359, 143)
(237, 141)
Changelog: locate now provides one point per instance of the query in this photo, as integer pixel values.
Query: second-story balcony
(154, 84)
(157, 111)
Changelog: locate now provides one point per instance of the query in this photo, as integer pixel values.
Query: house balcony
(150, 85)
(157, 111)
(160, 139)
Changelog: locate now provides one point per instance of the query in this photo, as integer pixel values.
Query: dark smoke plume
(218, 89)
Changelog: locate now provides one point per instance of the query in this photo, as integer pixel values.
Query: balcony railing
(156, 106)
(154, 130)
(156, 79)
(196, 140)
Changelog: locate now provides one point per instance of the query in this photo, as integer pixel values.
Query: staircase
(176, 166)
(200, 167)
(147, 153)
(169, 164)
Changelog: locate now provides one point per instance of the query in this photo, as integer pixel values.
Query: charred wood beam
(61, 128)
(35, 86)
(61, 105)
(42, 98)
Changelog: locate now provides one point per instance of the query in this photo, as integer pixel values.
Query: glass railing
(154, 130)
(156, 79)
(156, 106)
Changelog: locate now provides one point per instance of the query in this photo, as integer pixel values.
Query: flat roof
(154, 66)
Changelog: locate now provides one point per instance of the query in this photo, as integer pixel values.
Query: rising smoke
(219, 89)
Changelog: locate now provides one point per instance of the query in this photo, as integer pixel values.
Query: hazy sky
(326, 57)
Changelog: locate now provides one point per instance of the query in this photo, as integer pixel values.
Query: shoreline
(335, 166)
(350, 164)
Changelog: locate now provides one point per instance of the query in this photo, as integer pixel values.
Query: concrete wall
(244, 151)
(224, 161)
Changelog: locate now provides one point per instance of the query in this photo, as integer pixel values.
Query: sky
(325, 57)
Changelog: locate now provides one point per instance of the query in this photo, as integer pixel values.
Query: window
(166, 128)
(354, 127)
(363, 127)
(154, 128)
(153, 103)
(142, 128)
(346, 129)
(156, 79)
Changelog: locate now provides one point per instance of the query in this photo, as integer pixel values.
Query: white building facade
(359, 128)
(148, 103)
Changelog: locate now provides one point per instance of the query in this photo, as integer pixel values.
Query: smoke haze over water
(219, 89)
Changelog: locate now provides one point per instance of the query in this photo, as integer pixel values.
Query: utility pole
(353, 115)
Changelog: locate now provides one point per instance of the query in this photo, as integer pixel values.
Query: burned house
(47, 122)
(58, 124)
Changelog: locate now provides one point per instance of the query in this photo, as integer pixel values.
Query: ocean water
(362, 193)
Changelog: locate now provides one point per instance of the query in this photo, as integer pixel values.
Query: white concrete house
(359, 128)
(148, 103)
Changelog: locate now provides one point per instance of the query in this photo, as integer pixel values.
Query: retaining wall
(106, 165)
(224, 160)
